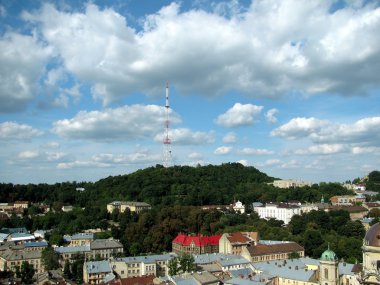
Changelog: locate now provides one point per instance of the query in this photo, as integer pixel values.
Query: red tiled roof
(186, 240)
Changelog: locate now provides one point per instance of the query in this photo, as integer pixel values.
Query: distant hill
(203, 185)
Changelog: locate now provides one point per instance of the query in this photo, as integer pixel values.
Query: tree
(66, 270)
(173, 266)
(49, 259)
(26, 273)
(187, 263)
(294, 255)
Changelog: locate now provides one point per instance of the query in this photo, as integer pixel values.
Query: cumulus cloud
(15, 131)
(299, 128)
(123, 123)
(243, 162)
(229, 138)
(223, 150)
(323, 149)
(239, 115)
(329, 52)
(28, 154)
(22, 61)
(364, 131)
(255, 151)
(81, 164)
(272, 162)
(184, 136)
(365, 150)
(270, 116)
(137, 157)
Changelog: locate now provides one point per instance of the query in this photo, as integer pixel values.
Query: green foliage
(49, 259)
(173, 266)
(187, 263)
(26, 273)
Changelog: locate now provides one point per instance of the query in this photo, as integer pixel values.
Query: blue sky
(290, 87)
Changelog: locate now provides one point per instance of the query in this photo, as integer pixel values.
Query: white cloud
(366, 130)
(255, 151)
(123, 123)
(81, 164)
(272, 162)
(184, 136)
(243, 162)
(223, 150)
(328, 52)
(365, 150)
(270, 116)
(136, 157)
(229, 138)
(15, 131)
(195, 155)
(28, 154)
(22, 61)
(239, 115)
(323, 149)
(299, 128)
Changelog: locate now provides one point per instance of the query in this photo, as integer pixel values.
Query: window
(326, 273)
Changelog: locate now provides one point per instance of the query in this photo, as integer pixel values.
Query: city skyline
(289, 87)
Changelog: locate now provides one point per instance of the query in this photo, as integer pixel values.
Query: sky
(290, 87)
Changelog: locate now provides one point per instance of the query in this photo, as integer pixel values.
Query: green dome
(328, 255)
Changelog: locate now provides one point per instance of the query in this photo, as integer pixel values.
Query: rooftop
(94, 267)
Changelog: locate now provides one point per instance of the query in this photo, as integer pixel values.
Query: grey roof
(13, 230)
(184, 281)
(210, 267)
(21, 236)
(345, 268)
(109, 277)
(105, 244)
(292, 269)
(93, 267)
(205, 277)
(36, 243)
(72, 249)
(79, 236)
(240, 281)
(212, 257)
(245, 272)
(3, 237)
(236, 260)
(147, 258)
(262, 241)
(10, 255)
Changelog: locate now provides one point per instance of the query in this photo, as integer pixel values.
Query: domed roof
(372, 237)
(328, 255)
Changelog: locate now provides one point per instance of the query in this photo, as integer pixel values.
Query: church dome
(372, 237)
(328, 255)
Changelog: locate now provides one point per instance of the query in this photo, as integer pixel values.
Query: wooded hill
(178, 185)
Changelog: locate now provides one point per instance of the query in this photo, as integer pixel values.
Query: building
(239, 207)
(136, 266)
(121, 206)
(70, 253)
(195, 244)
(10, 260)
(347, 200)
(232, 243)
(371, 255)
(290, 183)
(268, 252)
(94, 272)
(220, 262)
(80, 239)
(105, 248)
(21, 204)
(279, 211)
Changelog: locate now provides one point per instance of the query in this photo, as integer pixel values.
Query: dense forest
(175, 194)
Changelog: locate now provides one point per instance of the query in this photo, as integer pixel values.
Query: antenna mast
(167, 141)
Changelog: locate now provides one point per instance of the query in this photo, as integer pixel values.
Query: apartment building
(279, 211)
(156, 265)
(268, 252)
(232, 243)
(135, 207)
(291, 183)
(10, 260)
(105, 248)
(95, 272)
